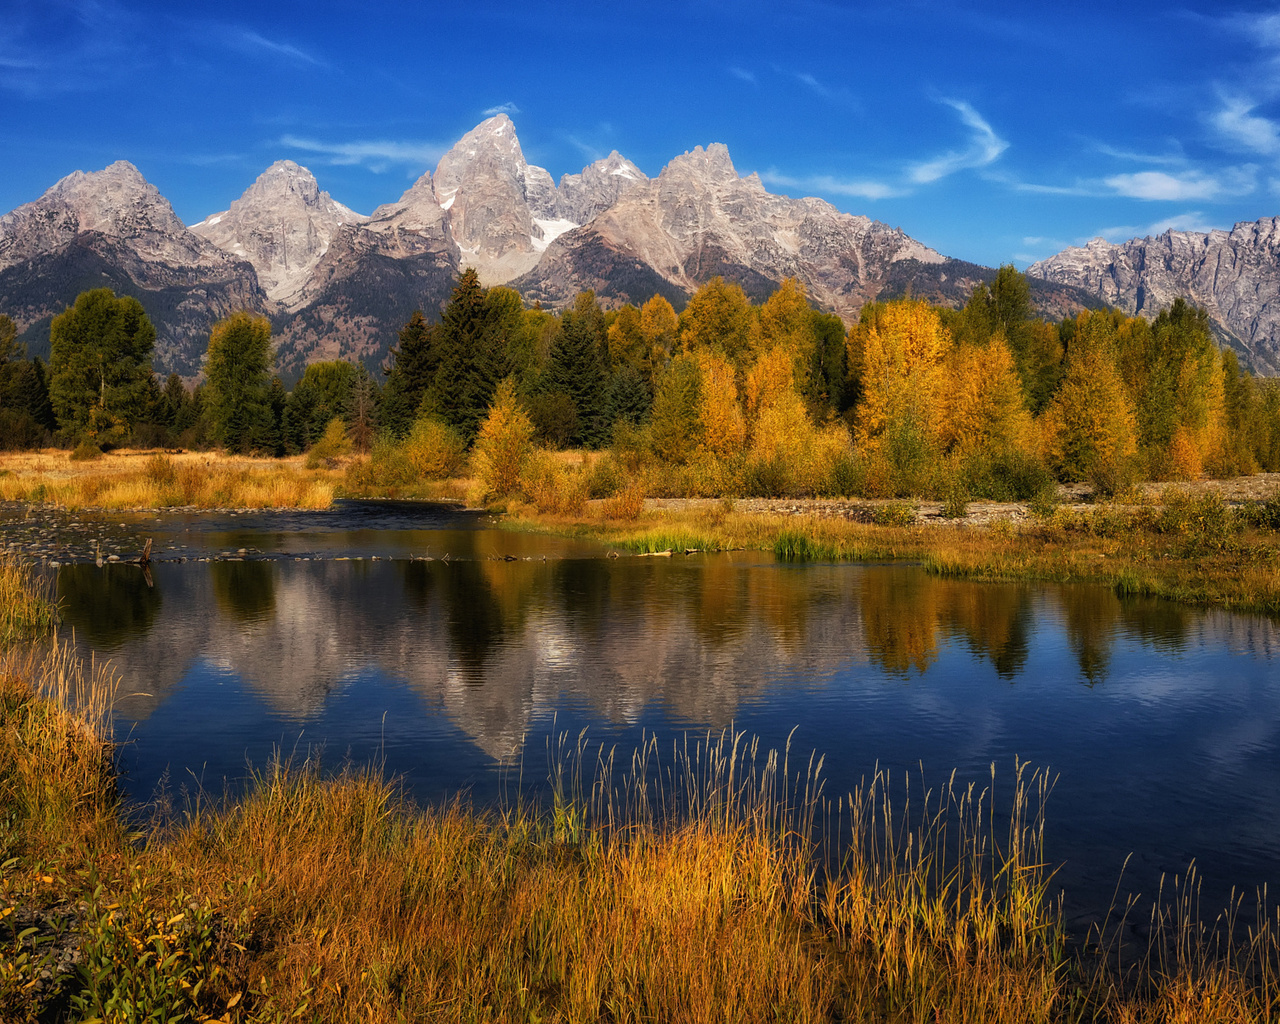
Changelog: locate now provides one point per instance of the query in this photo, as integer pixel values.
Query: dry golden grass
(128, 479)
(27, 605)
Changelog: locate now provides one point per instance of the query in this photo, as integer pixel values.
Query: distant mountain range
(336, 283)
(1234, 275)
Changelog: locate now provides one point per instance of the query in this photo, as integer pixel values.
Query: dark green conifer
(471, 359)
(412, 366)
(577, 370)
(277, 399)
(629, 400)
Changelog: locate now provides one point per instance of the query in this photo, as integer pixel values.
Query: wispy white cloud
(1191, 221)
(1236, 121)
(830, 185)
(247, 39)
(592, 153)
(743, 75)
(502, 108)
(807, 79)
(1227, 183)
(377, 155)
(1158, 159)
(985, 147)
(838, 95)
(1039, 188)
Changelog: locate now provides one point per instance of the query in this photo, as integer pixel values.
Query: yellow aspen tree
(1090, 428)
(723, 431)
(719, 316)
(626, 339)
(1184, 456)
(779, 426)
(772, 376)
(1204, 415)
(902, 375)
(786, 320)
(504, 442)
(660, 327)
(984, 404)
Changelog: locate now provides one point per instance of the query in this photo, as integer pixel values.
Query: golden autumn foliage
(719, 316)
(772, 376)
(505, 441)
(786, 320)
(1090, 426)
(627, 344)
(660, 328)
(983, 401)
(723, 429)
(903, 373)
(1184, 456)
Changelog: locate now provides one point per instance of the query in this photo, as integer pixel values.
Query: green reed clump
(28, 608)
(660, 540)
(798, 546)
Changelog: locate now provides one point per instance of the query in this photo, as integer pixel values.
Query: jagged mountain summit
(282, 224)
(112, 228)
(1234, 274)
(340, 285)
(581, 197)
(699, 219)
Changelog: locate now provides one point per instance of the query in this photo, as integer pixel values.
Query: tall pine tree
(412, 367)
(471, 359)
(577, 370)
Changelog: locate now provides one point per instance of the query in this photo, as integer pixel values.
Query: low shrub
(604, 478)
(626, 505)
(333, 445)
(895, 513)
(86, 451)
(553, 488)
(1262, 515)
(1204, 521)
(956, 505)
(845, 476)
(434, 449)
(1009, 475)
(765, 478)
(1044, 503)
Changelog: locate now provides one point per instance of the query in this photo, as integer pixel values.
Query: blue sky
(993, 132)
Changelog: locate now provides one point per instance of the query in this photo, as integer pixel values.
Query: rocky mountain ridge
(282, 224)
(113, 228)
(1234, 274)
(340, 284)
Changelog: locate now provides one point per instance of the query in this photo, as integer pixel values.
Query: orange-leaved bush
(504, 442)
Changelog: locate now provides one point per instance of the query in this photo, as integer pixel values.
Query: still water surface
(1161, 722)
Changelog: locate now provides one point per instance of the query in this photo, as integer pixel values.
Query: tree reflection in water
(107, 606)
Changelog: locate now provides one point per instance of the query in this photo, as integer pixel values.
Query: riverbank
(1211, 543)
(1184, 545)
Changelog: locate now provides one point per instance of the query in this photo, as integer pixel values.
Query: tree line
(725, 396)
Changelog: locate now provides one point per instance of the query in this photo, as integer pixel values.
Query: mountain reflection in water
(1163, 721)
